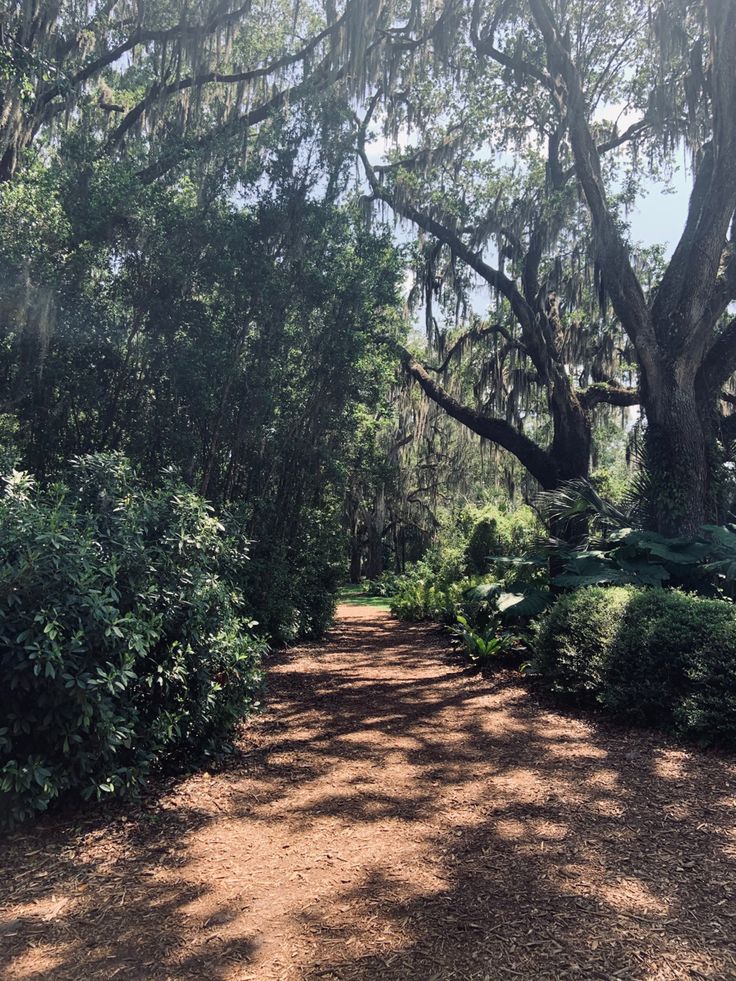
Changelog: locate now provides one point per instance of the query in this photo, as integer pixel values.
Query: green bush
(122, 640)
(422, 599)
(291, 586)
(483, 645)
(484, 542)
(386, 586)
(463, 557)
(497, 532)
(653, 656)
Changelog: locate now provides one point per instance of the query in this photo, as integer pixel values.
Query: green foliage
(470, 544)
(422, 599)
(124, 639)
(447, 585)
(387, 585)
(482, 544)
(291, 584)
(610, 549)
(226, 335)
(572, 643)
(482, 644)
(652, 656)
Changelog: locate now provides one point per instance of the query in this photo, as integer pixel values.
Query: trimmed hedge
(123, 640)
(651, 656)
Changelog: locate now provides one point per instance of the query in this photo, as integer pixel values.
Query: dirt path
(393, 818)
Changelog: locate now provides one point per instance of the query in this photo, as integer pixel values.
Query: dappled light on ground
(393, 817)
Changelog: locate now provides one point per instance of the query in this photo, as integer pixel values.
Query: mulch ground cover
(391, 816)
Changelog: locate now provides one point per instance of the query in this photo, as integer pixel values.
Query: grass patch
(353, 595)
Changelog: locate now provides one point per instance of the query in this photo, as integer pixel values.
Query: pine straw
(393, 817)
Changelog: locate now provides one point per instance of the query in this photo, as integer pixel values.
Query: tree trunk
(355, 558)
(376, 526)
(374, 562)
(572, 439)
(680, 453)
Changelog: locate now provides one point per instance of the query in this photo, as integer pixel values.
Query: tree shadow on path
(393, 817)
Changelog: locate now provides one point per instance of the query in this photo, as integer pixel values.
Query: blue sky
(660, 217)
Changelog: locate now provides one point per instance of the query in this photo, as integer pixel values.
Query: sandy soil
(392, 817)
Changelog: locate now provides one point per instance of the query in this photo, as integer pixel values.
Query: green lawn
(353, 595)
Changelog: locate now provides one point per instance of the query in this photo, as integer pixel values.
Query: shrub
(472, 546)
(482, 544)
(122, 640)
(482, 645)
(386, 586)
(422, 599)
(653, 656)
(291, 586)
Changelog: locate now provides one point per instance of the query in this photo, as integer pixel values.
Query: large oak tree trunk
(572, 440)
(681, 456)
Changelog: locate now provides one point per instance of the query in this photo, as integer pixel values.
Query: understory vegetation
(651, 656)
(125, 640)
(556, 608)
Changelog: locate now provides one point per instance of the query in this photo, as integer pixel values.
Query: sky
(660, 217)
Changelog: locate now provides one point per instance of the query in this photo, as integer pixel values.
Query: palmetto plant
(609, 545)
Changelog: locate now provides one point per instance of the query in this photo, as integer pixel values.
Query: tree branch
(537, 461)
(160, 93)
(622, 283)
(684, 301)
(533, 341)
(141, 36)
(610, 395)
(483, 44)
(320, 79)
(477, 331)
(720, 361)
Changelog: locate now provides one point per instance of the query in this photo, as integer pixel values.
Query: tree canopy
(515, 138)
(519, 147)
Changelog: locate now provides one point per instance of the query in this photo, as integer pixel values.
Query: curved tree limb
(159, 94)
(683, 304)
(477, 331)
(536, 460)
(483, 44)
(320, 79)
(720, 361)
(135, 38)
(534, 342)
